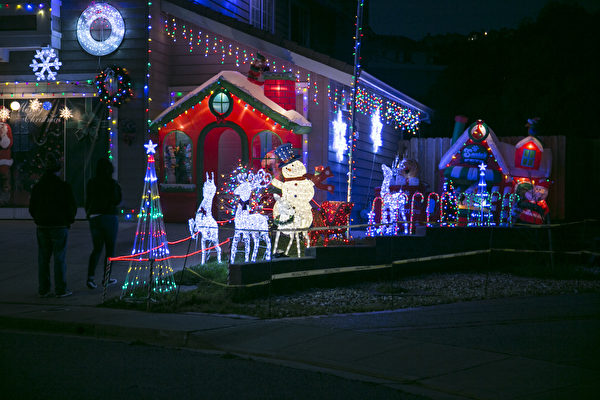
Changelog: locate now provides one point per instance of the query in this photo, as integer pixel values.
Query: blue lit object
(29, 7)
(47, 106)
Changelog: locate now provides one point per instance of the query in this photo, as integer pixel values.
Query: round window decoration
(103, 17)
(220, 104)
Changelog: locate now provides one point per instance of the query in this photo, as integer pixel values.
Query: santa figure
(532, 201)
(6, 161)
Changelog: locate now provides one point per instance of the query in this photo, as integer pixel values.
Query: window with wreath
(262, 146)
(177, 158)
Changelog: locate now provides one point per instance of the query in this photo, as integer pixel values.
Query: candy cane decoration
(499, 198)
(442, 215)
(402, 210)
(412, 208)
(436, 200)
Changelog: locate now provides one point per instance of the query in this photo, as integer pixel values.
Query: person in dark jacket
(103, 197)
(52, 206)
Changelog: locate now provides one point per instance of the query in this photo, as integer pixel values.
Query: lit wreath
(88, 17)
(114, 85)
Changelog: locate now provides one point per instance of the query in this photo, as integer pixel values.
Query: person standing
(102, 198)
(52, 206)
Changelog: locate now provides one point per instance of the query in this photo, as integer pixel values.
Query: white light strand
(340, 143)
(376, 127)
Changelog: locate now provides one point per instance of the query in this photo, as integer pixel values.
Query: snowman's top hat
(286, 154)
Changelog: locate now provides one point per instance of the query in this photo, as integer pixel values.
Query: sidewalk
(529, 348)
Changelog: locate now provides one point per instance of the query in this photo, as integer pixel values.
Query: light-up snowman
(296, 189)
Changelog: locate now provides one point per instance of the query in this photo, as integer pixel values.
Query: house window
(220, 104)
(262, 144)
(528, 159)
(262, 14)
(177, 158)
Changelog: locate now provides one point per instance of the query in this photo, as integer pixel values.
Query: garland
(114, 85)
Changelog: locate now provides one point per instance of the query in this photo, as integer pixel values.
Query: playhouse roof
(491, 140)
(241, 87)
(509, 155)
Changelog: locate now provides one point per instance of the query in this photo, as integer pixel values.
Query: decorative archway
(200, 149)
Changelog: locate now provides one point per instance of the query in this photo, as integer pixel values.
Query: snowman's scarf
(317, 178)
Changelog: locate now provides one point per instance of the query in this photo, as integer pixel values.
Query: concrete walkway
(515, 348)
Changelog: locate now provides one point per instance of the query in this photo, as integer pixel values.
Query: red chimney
(281, 88)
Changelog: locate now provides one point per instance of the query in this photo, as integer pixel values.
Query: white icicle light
(48, 60)
(376, 127)
(88, 17)
(339, 137)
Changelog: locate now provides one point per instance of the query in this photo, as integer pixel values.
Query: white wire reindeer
(287, 224)
(250, 225)
(394, 205)
(204, 225)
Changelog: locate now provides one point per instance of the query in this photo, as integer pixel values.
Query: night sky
(416, 18)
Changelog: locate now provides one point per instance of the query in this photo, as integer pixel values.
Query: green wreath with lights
(114, 86)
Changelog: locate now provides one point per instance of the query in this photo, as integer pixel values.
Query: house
(173, 51)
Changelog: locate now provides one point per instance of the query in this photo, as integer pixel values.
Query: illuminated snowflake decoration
(48, 59)
(376, 127)
(35, 105)
(65, 113)
(339, 137)
(4, 113)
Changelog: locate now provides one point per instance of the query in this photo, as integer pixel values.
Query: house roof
(287, 50)
(237, 84)
(491, 140)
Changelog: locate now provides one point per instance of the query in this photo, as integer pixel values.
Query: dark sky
(417, 18)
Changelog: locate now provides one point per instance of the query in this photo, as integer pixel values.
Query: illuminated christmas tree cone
(150, 272)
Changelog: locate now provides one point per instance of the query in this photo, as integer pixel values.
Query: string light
(155, 271)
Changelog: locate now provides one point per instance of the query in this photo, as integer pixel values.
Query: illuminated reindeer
(287, 223)
(247, 224)
(204, 225)
(393, 205)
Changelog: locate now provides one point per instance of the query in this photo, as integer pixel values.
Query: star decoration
(150, 147)
(48, 60)
(35, 105)
(482, 167)
(376, 127)
(65, 113)
(339, 136)
(4, 113)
